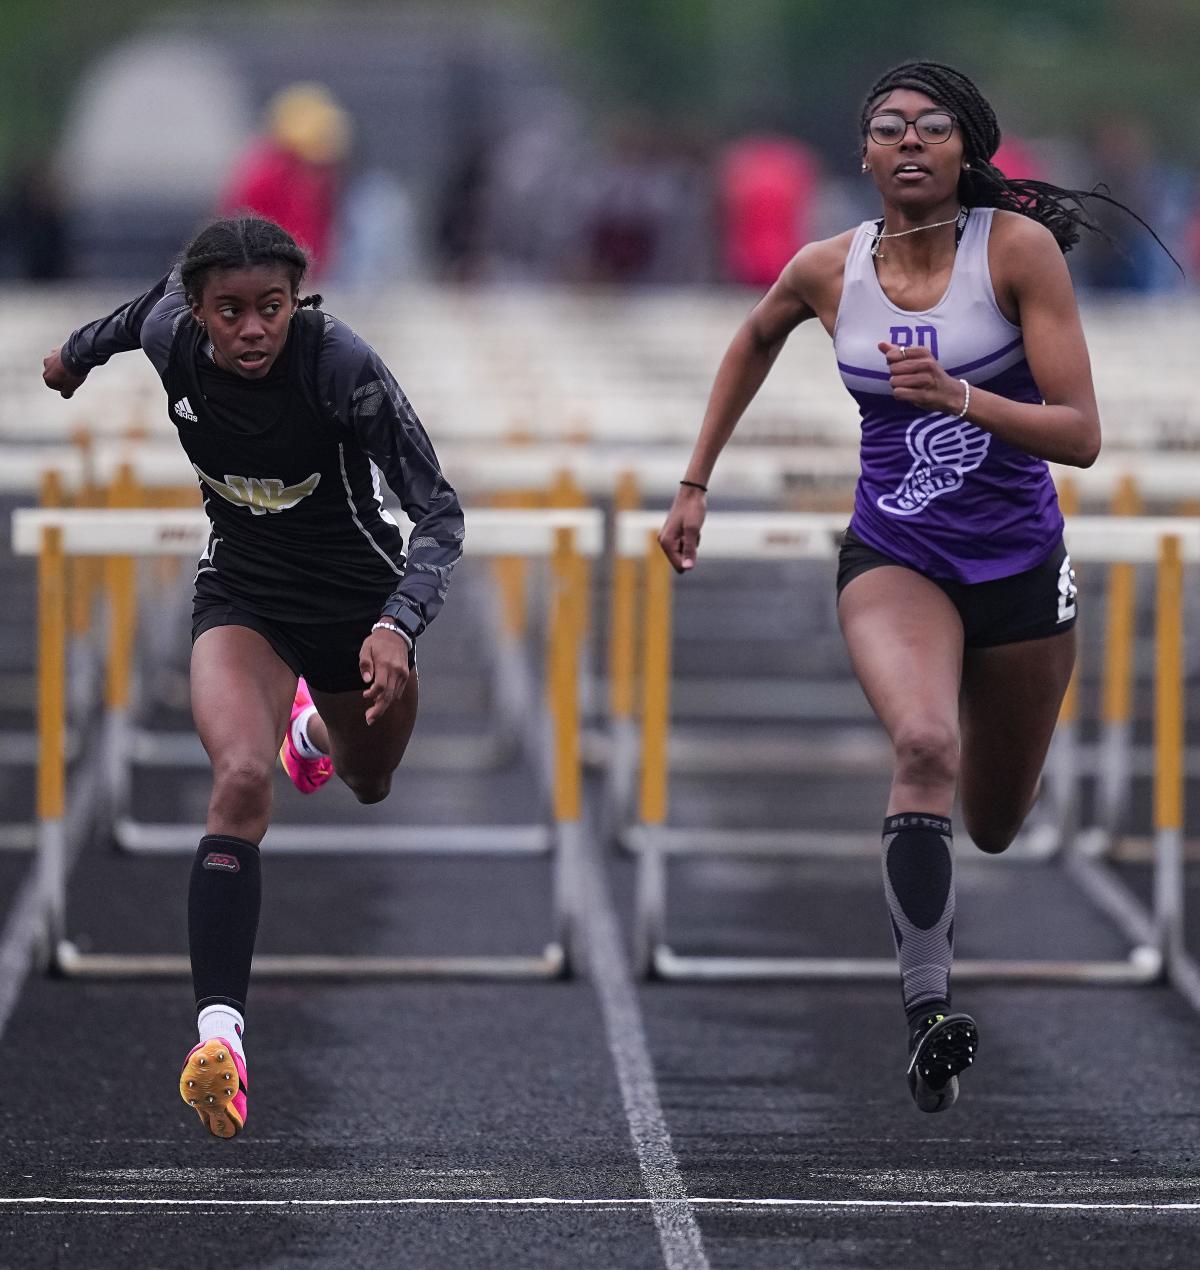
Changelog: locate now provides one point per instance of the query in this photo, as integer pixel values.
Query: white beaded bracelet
(966, 399)
(385, 625)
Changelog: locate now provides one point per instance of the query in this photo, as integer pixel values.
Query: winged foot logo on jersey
(261, 494)
(944, 450)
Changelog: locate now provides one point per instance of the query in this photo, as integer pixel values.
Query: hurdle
(560, 537)
(1113, 758)
(153, 475)
(57, 475)
(1156, 937)
(772, 473)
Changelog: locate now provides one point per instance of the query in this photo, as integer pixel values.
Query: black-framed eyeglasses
(889, 127)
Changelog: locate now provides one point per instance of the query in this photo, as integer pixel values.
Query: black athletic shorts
(1032, 605)
(324, 653)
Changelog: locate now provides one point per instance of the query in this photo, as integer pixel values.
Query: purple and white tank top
(936, 492)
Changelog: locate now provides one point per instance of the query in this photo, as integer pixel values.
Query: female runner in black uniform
(288, 418)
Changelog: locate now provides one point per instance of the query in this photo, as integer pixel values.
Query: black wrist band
(695, 485)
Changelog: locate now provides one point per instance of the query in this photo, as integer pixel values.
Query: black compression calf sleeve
(223, 902)
(918, 880)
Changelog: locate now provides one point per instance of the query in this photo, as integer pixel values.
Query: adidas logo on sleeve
(183, 408)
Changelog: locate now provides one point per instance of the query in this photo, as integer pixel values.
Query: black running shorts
(324, 653)
(1032, 605)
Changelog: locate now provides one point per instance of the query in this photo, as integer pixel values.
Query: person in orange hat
(292, 174)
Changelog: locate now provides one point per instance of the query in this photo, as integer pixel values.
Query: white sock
(300, 737)
(222, 1022)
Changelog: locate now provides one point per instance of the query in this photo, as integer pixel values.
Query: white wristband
(386, 625)
(966, 399)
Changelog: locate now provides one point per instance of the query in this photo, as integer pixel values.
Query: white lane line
(634, 1201)
(678, 1233)
(17, 943)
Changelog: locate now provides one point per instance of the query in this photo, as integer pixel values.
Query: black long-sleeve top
(288, 465)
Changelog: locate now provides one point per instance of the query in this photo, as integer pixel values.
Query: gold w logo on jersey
(261, 494)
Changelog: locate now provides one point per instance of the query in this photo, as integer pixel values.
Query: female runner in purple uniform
(956, 331)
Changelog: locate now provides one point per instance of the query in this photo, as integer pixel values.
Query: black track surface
(509, 1091)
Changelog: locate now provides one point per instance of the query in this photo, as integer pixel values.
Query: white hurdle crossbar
(755, 470)
(1156, 936)
(562, 537)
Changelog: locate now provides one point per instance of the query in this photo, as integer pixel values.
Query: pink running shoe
(213, 1081)
(307, 774)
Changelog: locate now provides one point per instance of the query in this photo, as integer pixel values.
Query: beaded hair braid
(238, 242)
(1061, 210)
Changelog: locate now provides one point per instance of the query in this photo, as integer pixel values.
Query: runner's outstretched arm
(121, 331)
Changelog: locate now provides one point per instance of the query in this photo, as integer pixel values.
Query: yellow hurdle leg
(656, 683)
(1169, 752)
(565, 636)
(1116, 703)
(52, 729)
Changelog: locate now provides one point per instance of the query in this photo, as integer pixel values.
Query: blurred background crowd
(672, 142)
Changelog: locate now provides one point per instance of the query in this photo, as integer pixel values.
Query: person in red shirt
(1017, 161)
(767, 188)
(292, 175)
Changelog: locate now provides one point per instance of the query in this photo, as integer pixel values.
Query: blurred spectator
(532, 201)
(460, 219)
(1016, 160)
(378, 237)
(643, 210)
(766, 188)
(34, 224)
(1130, 169)
(293, 174)
(622, 222)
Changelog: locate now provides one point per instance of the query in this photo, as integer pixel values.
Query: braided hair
(238, 242)
(982, 184)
